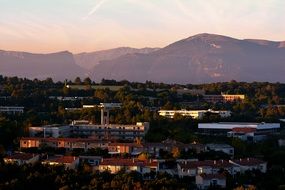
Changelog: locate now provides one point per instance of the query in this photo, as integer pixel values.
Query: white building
(195, 114)
(50, 131)
(250, 164)
(11, 109)
(114, 165)
(193, 168)
(248, 134)
(111, 131)
(22, 158)
(225, 127)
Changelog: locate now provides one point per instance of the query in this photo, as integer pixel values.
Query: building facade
(225, 127)
(224, 98)
(195, 114)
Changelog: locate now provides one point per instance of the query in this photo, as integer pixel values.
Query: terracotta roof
(63, 159)
(128, 162)
(212, 176)
(248, 161)
(243, 130)
(21, 156)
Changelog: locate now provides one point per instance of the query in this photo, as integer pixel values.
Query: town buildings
(83, 128)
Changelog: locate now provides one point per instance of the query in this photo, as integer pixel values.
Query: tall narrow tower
(105, 111)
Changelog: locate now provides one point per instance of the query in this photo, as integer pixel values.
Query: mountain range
(201, 58)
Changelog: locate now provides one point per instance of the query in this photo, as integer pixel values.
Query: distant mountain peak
(209, 37)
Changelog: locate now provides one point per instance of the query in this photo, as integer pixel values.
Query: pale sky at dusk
(90, 25)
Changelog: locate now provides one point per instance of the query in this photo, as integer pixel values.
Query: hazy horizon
(92, 25)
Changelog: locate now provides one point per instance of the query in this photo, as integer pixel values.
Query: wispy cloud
(94, 9)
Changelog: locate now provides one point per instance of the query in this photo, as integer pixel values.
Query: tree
(77, 81)
(87, 81)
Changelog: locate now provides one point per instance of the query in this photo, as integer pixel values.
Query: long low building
(225, 127)
(81, 143)
(195, 114)
(66, 143)
(83, 128)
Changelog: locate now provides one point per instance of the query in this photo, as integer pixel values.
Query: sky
(43, 26)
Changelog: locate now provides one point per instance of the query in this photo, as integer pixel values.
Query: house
(114, 165)
(250, 164)
(248, 134)
(22, 158)
(204, 181)
(225, 148)
(69, 162)
(128, 148)
(194, 168)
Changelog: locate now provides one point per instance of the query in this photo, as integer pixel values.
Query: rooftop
(206, 163)
(248, 161)
(21, 156)
(62, 159)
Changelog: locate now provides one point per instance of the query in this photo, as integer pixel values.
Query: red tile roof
(63, 159)
(248, 161)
